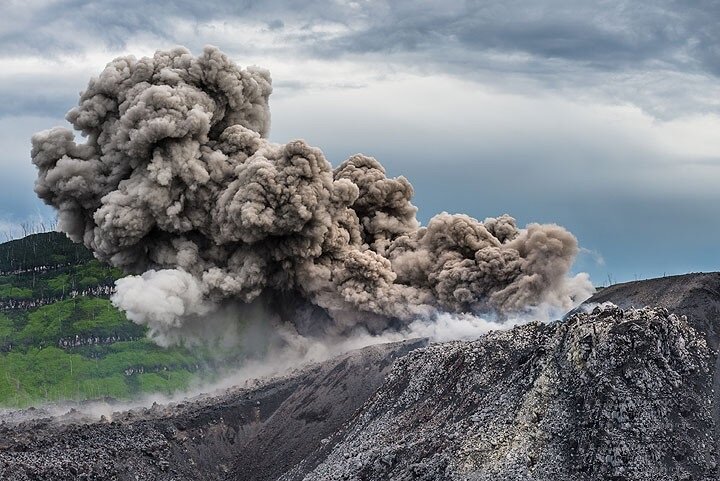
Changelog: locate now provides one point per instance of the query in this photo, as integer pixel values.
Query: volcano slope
(695, 295)
(606, 393)
(272, 427)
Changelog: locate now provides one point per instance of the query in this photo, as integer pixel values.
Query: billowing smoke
(177, 182)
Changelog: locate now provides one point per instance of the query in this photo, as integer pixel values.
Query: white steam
(160, 300)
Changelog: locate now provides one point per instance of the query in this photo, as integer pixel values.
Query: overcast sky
(604, 118)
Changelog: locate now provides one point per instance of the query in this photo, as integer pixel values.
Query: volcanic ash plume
(177, 181)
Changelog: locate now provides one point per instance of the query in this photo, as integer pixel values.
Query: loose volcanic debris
(271, 427)
(177, 182)
(608, 395)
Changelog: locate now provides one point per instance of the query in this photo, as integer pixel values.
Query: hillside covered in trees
(62, 339)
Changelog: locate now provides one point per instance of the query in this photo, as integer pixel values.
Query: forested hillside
(61, 338)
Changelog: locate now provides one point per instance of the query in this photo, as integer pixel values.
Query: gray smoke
(176, 180)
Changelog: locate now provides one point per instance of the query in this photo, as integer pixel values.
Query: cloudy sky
(600, 116)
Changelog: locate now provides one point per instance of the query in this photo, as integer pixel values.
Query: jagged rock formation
(610, 394)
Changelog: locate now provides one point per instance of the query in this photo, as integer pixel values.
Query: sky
(603, 117)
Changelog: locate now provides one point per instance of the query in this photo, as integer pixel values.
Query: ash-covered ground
(624, 393)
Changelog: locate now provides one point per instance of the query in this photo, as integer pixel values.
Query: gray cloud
(176, 175)
(608, 35)
(658, 55)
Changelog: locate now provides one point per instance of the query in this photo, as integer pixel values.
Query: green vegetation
(57, 345)
(12, 292)
(51, 374)
(81, 317)
(58, 282)
(37, 250)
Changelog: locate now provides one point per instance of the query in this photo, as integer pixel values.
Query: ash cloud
(176, 182)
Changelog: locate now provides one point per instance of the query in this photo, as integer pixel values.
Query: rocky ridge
(610, 394)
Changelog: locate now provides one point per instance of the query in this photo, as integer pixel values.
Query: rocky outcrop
(696, 296)
(605, 395)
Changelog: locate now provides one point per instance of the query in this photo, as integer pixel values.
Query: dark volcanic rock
(696, 296)
(320, 404)
(614, 394)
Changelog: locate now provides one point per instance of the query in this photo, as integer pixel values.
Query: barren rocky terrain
(620, 392)
(695, 295)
